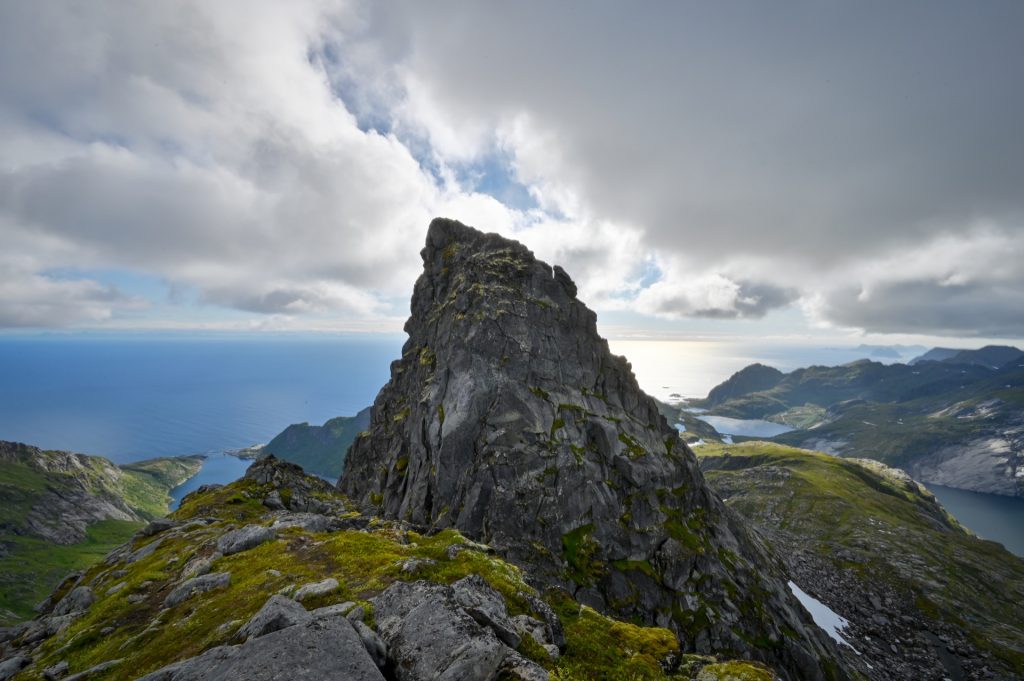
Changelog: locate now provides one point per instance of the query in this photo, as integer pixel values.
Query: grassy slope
(30, 567)
(364, 562)
(884, 530)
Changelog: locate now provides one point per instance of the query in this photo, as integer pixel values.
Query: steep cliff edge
(508, 418)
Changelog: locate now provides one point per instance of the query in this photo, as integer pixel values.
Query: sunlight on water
(674, 369)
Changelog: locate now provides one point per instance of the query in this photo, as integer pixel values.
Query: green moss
(687, 531)
(580, 551)
(540, 392)
(427, 358)
(376, 498)
(735, 671)
(549, 472)
(599, 647)
(440, 413)
(401, 464)
(638, 566)
(556, 426)
(578, 452)
(402, 414)
(449, 252)
(633, 448)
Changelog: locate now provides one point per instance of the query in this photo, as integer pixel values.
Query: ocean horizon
(141, 396)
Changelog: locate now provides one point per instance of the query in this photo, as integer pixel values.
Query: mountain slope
(61, 511)
(925, 598)
(991, 356)
(275, 576)
(319, 449)
(508, 418)
(959, 425)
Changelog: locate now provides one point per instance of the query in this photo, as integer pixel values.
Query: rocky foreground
(276, 576)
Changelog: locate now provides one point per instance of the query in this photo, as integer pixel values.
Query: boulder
(487, 607)
(317, 649)
(157, 526)
(320, 588)
(57, 671)
(13, 665)
(276, 614)
(78, 600)
(430, 636)
(373, 643)
(243, 539)
(197, 585)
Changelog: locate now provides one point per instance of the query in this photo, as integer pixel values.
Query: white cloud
(284, 159)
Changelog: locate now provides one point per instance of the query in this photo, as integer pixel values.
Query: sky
(819, 170)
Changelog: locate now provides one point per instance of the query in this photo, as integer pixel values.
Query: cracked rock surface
(508, 418)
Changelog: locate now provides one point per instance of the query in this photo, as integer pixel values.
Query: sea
(141, 396)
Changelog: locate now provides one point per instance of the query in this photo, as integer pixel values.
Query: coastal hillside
(923, 597)
(318, 449)
(61, 512)
(958, 424)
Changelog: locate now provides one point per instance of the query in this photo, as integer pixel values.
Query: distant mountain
(949, 423)
(924, 599)
(991, 356)
(936, 355)
(61, 511)
(319, 449)
(889, 351)
(751, 379)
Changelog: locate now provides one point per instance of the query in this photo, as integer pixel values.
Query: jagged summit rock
(508, 418)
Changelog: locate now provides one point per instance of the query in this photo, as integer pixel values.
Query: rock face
(508, 418)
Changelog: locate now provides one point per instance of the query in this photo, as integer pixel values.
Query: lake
(989, 516)
(745, 427)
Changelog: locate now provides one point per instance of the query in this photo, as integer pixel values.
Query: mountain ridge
(508, 418)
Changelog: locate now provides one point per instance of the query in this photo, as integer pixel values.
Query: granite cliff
(508, 419)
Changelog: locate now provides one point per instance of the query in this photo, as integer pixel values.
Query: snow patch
(823, 616)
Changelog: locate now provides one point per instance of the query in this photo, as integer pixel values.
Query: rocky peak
(508, 418)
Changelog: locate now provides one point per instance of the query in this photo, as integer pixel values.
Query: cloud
(956, 284)
(284, 159)
(712, 296)
(810, 137)
(29, 299)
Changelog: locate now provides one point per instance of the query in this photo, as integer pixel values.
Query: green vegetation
(634, 450)
(146, 636)
(882, 527)
(735, 671)
(579, 550)
(34, 566)
(39, 548)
